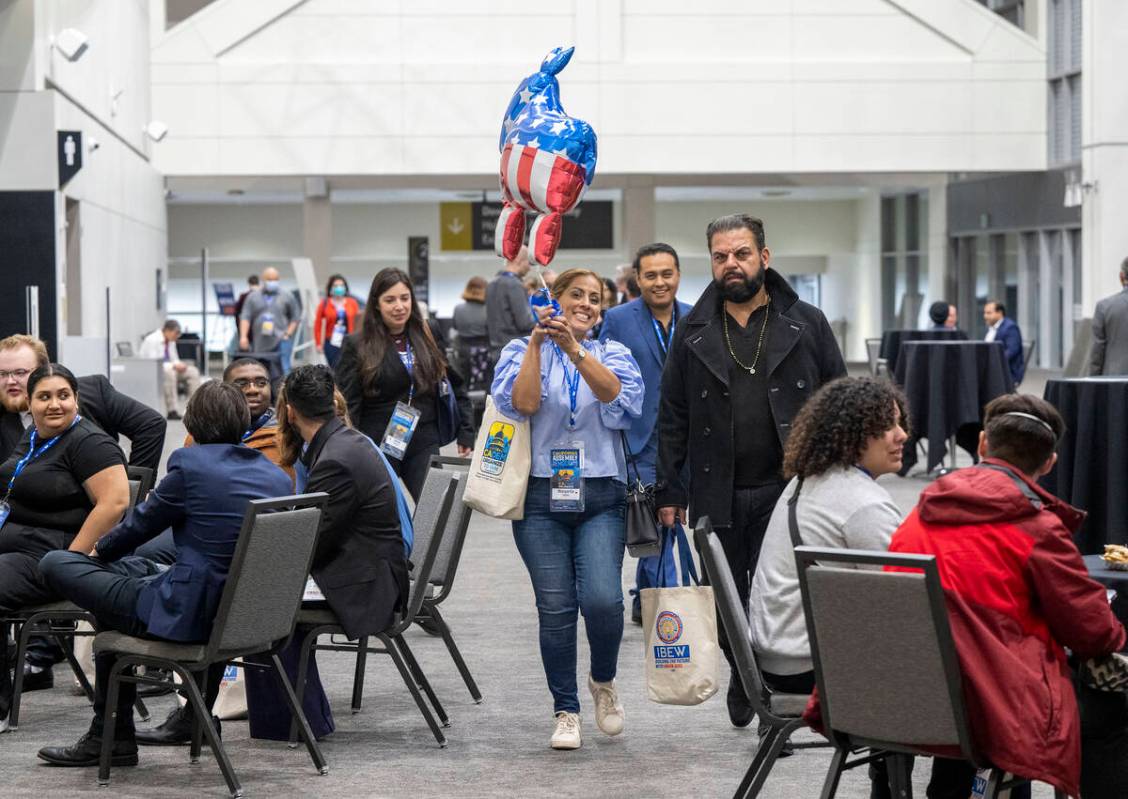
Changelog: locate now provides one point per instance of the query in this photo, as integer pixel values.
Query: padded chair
(430, 523)
(781, 712)
(62, 620)
(257, 613)
(877, 365)
(1028, 346)
(885, 663)
(445, 568)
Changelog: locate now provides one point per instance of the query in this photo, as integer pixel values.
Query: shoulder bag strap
(631, 462)
(792, 517)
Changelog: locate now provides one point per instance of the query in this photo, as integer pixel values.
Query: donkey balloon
(547, 163)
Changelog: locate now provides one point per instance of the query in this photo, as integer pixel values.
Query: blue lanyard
(262, 421)
(665, 339)
(408, 363)
(571, 384)
(33, 453)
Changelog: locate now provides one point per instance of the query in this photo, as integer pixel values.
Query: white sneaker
(609, 713)
(566, 735)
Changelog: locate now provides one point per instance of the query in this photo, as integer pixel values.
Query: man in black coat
(359, 563)
(742, 363)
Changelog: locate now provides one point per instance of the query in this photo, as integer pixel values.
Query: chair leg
(757, 761)
(303, 672)
(298, 714)
(424, 683)
(409, 681)
(455, 654)
(900, 776)
(833, 774)
(109, 724)
(358, 672)
(769, 760)
(142, 710)
(202, 714)
(79, 673)
(198, 680)
(18, 678)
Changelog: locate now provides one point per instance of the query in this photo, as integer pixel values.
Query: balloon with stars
(547, 163)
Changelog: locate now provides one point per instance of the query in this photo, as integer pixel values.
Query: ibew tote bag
(499, 469)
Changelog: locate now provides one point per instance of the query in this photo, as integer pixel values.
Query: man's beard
(742, 291)
(14, 404)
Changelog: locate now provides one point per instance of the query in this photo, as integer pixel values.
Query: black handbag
(642, 520)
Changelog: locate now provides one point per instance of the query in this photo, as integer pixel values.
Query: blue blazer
(632, 325)
(1011, 338)
(203, 498)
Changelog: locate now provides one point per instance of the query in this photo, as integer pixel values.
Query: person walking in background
(1002, 328)
(160, 345)
(646, 327)
(335, 319)
(269, 319)
(1109, 352)
(508, 315)
(473, 345)
(397, 382)
(741, 366)
(577, 395)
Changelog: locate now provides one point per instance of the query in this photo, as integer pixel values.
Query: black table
(1092, 467)
(947, 384)
(1112, 579)
(891, 341)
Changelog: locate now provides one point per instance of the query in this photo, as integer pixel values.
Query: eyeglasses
(19, 374)
(258, 382)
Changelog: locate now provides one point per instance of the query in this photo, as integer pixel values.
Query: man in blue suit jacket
(646, 327)
(1002, 328)
(203, 498)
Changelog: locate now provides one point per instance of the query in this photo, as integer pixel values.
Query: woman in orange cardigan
(335, 319)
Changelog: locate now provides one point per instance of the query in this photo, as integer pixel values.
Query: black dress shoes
(740, 709)
(38, 679)
(88, 748)
(176, 730)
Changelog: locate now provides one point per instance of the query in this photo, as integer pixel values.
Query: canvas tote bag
(499, 469)
(682, 654)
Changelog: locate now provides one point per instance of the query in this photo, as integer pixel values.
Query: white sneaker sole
(566, 745)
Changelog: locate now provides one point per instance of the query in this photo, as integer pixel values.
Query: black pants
(751, 510)
(417, 460)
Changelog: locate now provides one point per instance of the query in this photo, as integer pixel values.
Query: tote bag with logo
(499, 470)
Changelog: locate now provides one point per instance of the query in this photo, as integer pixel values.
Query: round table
(947, 385)
(891, 341)
(1092, 467)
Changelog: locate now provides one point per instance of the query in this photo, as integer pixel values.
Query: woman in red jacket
(335, 318)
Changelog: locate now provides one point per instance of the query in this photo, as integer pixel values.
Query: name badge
(338, 337)
(5, 509)
(399, 431)
(266, 324)
(566, 486)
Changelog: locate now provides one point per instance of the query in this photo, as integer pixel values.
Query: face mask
(271, 286)
(338, 291)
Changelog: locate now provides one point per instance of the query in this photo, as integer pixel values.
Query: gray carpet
(498, 748)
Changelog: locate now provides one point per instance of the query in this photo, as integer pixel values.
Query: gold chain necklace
(759, 345)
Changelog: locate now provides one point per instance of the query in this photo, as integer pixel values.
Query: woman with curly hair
(846, 436)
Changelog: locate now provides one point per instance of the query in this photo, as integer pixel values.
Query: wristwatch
(579, 356)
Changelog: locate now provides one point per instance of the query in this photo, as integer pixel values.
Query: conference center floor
(498, 748)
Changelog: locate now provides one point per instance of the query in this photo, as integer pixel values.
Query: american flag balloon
(547, 163)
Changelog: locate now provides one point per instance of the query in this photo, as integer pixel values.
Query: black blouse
(49, 493)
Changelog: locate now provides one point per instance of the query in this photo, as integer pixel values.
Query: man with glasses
(114, 412)
(741, 365)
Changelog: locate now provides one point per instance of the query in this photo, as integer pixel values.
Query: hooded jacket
(1017, 593)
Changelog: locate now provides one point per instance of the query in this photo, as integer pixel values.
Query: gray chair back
(267, 578)
(458, 522)
(733, 615)
(430, 525)
(140, 483)
(885, 662)
(1028, 347)
(873, 348)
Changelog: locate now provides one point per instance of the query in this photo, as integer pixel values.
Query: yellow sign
(456, 222)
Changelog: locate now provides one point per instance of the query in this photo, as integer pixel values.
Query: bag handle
(631, 462)
(792, 516)
(688, 568)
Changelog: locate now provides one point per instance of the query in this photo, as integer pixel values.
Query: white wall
(328, 87)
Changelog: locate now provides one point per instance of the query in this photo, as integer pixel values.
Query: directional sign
(456, 220)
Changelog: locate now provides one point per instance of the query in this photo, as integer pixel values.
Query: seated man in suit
(110, 410)
(1002, 328)
(359, 563)
(160, 345)
(204, 499)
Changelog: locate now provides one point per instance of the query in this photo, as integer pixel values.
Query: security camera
(156, 130)
(94, 144)
(72, 43)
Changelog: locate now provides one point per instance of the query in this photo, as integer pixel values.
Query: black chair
(885, 663)
(430, 524)
(780, 712)
(62, 620)
(445, 568)
(257, 613)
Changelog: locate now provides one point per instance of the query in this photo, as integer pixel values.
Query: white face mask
(271, 286)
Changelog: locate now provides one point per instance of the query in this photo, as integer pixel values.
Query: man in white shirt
(1003, 329)
(161, 345)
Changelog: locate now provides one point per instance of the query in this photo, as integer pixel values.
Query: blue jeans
(575, 562)
(285, 349)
